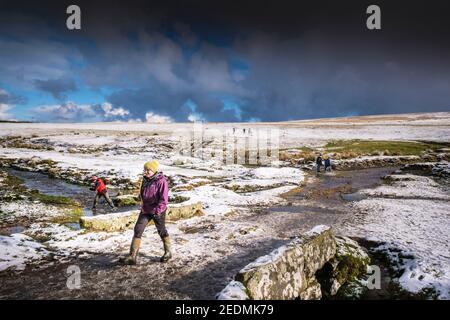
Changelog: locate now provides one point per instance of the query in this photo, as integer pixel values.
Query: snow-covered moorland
(407, 214)
(410, 218)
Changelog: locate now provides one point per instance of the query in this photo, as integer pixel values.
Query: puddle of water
(322, 201)
(341, 185)
(73, 225)
(300, 209)
(353, 196)
(56, 187)
(49, 186)
(11, 230)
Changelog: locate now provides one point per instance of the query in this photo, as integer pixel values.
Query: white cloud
(114, 112)
(4, 114)
(72, 112)
(151, 117)
(194, 117)
(68, 112)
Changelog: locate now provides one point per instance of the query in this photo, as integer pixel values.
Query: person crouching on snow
(154, 195)
(100, 191)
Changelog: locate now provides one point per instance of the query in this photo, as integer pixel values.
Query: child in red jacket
(100, 191)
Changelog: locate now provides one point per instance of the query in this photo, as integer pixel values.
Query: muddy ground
(321, 201)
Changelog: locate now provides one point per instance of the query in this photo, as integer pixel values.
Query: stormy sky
(167, 61)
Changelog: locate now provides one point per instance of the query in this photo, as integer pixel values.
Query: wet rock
(429, 157)
(441, 169)
(124, 220)
(53, 172)
(110, 222)
(184, 211)
(289, 271)
(425, 166)
(126, 200)
(34, 161)
(312, 292)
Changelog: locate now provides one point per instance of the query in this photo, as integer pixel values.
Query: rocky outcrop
(350, 261)
(313, 265)
(373, 162)
(289, 271)
(440, 169)
(124, 220)
(110, 222)
(126, 200)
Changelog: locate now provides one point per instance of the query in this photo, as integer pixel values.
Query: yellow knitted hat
(152, 165)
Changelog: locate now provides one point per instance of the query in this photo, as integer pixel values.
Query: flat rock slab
(123, 220)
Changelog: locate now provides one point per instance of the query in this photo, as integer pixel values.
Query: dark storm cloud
(58, 88)
(281, 60)
(8, 98)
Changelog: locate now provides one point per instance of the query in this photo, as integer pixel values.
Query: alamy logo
(232, 145)
(73, 21)
(374, 20)
(74, 278)
(374, 279)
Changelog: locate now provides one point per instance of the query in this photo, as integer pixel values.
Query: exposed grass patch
(13, 182)
(11, 187)
(347, 149)
(305, 156)
(178, 199)
(50, 199)
(350, 267)
(72, 215)
(251, 188)
(126, 200)
(370, 147)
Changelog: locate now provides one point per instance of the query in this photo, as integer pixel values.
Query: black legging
(144, 219)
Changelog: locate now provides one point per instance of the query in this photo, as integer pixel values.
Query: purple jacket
(154, 194)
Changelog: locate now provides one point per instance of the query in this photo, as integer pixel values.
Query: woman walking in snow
(153, 193)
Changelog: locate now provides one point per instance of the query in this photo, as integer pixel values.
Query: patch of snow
(415, 227)
(11, 211)
(317, 230)
(410, 186)
(285, 174)
(17, 250)
(217, 200)
(235, 290)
